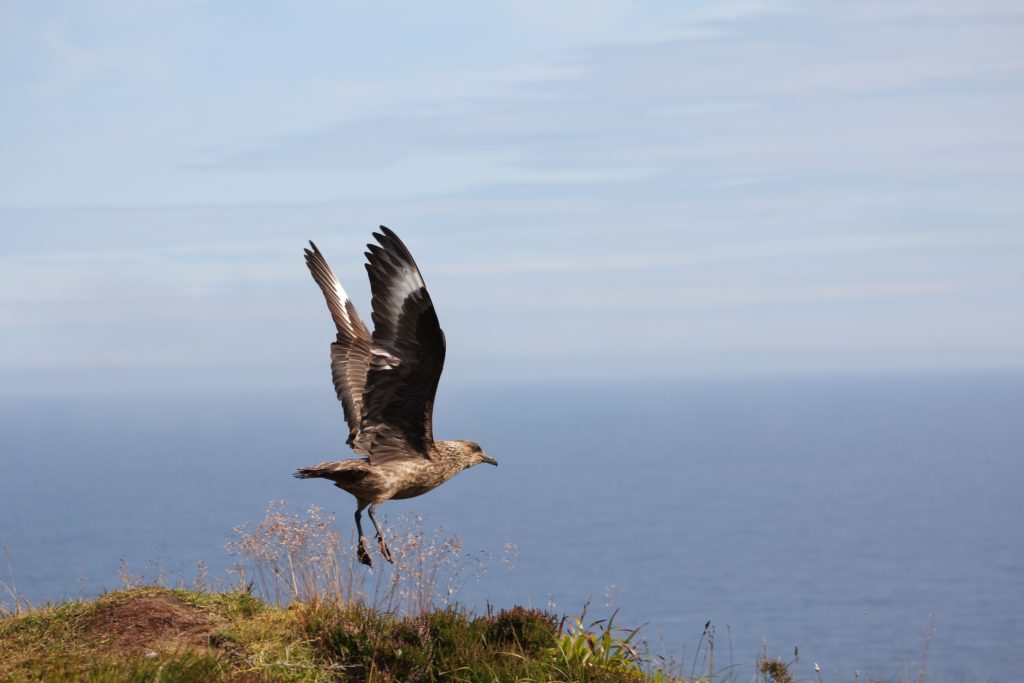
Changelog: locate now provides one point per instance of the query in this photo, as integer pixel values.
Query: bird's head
(475, 455)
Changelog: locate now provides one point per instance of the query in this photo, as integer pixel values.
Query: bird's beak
(489, 460)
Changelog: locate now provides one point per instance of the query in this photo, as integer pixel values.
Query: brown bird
(386, 384)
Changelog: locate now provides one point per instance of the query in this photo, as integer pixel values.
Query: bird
(386, 383)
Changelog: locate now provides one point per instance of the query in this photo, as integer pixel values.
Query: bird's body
(386, 384)
(396, 479)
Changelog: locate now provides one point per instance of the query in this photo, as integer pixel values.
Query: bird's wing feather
(350, 354)
(406, 357)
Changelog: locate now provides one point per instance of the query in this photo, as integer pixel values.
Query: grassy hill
(159, 634)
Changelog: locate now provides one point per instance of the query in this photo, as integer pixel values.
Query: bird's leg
(361, 552)
(381, 543)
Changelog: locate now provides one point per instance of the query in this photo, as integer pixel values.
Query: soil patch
(146, 623)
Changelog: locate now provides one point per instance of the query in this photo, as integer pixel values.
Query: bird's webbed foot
(362, 553)
(385, 552)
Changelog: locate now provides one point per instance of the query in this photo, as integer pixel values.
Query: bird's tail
(308, 472)
(330, 470)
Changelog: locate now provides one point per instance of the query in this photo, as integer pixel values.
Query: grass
(301, 608)
(160, 634)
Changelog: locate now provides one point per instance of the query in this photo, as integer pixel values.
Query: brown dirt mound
(160, 621)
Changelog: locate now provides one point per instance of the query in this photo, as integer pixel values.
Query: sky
(603, 189)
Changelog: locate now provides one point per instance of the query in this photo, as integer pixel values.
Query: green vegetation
(160, 634)
(301, 608)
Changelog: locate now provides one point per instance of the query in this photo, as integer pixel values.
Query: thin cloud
(745, 251)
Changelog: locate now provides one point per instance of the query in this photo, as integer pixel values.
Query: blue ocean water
(845, 515)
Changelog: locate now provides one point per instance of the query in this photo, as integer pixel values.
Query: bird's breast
(417, 477)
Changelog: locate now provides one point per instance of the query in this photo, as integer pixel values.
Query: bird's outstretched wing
(350, 354)
(406, 357)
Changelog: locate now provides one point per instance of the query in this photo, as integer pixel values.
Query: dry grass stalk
(19, 604)
(290, 557)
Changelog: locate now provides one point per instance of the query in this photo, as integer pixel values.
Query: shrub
(533, 630)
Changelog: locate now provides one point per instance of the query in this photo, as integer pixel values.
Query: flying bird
(386, 384)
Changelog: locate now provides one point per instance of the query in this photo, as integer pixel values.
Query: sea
(867, 525)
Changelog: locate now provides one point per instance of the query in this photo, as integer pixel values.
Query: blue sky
(592, 189)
